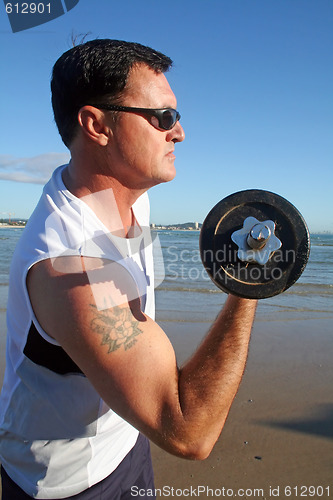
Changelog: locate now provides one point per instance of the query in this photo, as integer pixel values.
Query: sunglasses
(167, 117)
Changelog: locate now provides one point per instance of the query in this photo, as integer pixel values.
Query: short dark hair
(94, 71)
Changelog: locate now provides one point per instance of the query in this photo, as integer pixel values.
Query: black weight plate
(252, 280)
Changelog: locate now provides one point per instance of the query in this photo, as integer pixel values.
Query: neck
(109, 199)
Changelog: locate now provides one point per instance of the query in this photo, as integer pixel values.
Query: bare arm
(131, 363)
(210, 380)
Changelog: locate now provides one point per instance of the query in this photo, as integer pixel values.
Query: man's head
(96, 72)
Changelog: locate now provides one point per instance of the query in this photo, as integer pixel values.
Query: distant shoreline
(174, 229)
(15, 226)
(157, 228)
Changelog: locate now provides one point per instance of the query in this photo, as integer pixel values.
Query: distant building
(187, 226)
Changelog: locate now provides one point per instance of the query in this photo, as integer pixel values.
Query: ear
(93, 123)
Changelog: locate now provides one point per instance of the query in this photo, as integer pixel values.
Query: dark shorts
(133, 477)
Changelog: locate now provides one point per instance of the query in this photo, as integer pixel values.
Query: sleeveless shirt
(57, 436)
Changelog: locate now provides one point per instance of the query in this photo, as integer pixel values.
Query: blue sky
(253, 79)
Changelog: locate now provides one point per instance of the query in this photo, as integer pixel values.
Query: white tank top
(57, 436)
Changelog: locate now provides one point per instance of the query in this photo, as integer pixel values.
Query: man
(90, 375)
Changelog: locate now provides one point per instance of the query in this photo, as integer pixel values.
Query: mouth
(171, 155)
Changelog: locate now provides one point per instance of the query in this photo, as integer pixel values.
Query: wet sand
(279, 433)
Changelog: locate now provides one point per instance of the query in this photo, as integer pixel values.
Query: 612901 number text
(28, 8)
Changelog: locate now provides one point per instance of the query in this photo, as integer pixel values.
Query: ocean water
(8, 239)
(187, 294)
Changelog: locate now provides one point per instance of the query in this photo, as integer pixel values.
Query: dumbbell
(254, 244)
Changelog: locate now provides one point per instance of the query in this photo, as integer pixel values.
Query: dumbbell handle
(258, 236)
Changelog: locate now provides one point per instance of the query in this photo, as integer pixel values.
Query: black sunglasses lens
(169, 119)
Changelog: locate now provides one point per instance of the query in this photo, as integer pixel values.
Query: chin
(166, 174)
(169, 175)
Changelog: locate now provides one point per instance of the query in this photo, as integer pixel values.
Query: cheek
(141, 147)
(154, 121)
(144, 151)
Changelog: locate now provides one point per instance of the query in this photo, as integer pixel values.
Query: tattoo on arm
(117, 327)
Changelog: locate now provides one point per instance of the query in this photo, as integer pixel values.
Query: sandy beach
(12, 226)
(278, 439)
(278, 436)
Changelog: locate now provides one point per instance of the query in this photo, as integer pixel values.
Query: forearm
(209, 381)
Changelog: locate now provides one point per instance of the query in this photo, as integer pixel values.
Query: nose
(176, 134)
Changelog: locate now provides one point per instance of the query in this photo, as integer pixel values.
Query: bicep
(124, 353)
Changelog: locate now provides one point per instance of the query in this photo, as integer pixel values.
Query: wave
(322, 244)
(295, 308)
(297, 289)
(187, 289)
(311, 288)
